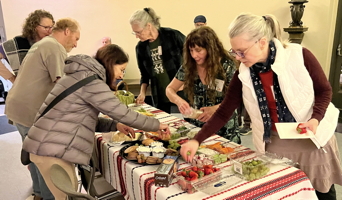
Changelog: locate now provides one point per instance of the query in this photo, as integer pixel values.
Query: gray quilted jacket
(67, 130)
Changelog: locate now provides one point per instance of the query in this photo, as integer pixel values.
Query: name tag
(160, 50)
(219, 85)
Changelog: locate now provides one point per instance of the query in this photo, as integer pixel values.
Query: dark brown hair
(108, 56)
(206, 38)
(32, 21)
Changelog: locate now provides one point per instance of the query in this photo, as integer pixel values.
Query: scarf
(283, 113)
(16, 50)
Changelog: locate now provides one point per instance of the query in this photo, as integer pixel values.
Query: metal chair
(96, 185)
(62, 181)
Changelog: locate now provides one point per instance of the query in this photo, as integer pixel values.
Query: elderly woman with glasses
(159, 55)
(37, 25)
(205, 74)
(280, 83)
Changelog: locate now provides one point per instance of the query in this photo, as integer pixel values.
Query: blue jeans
(38, 183)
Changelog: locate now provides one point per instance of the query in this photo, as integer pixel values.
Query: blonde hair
(256, 27)
(65, 23)
(142, 17)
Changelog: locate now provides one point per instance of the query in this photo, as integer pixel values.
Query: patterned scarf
(284, 115)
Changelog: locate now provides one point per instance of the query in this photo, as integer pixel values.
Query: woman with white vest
(280, 82)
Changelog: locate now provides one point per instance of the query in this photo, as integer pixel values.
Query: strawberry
(195, 169)
(187, 178)
(210, 166)
(208, 171)
(183, 173)
(193, 174)
(301, 130)
(193, 178)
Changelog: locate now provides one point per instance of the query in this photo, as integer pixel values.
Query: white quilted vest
(297, 88)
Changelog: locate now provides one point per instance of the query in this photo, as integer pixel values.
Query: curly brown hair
(206, 38)
(32, 21)
(108, 56)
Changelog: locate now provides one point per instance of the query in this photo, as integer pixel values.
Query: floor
(15, 181)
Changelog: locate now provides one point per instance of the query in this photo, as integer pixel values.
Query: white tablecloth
(136, 181)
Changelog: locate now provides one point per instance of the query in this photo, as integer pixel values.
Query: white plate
(288, 131)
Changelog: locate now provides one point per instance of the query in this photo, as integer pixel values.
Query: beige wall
(110, 18)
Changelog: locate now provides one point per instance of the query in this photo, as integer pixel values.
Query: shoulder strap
(68, 91)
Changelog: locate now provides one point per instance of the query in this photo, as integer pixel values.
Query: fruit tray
(189, 176)
(250, 166)
(222, 147)
(210, 184)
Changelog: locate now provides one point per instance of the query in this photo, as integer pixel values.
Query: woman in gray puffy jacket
(65, 134)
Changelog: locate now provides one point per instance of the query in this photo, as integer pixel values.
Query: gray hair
(256, 27)
(142, 17)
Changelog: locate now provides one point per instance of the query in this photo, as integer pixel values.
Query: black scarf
(284, 115)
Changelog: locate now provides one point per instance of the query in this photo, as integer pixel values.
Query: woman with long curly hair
(206, 72)
(37, 25)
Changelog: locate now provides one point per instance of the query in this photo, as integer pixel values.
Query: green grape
(252, 176)
(257, 175)
(246, 176)
(254, 162)
(254, 170)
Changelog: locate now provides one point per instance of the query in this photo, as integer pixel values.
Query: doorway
(335, 77)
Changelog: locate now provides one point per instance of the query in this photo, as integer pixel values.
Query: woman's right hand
(188, 150)
(183, 106)
(140, 99)
(164, 130)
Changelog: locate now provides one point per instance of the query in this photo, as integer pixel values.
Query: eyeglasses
(47, 28)
(139, 32)
(239, 53)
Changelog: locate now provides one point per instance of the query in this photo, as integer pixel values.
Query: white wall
(111, 18)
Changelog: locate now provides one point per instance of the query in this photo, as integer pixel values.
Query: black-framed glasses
(47, 28)
(239, 53)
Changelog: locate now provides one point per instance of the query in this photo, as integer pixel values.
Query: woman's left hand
(125, 129)
(311, 124)
(207, 113)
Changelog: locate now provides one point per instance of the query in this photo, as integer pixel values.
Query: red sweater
(233, 98)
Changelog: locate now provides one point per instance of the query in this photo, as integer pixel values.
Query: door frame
(333, 69)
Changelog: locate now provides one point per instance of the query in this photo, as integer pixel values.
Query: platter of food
(118, 138)
(144, 112)
(147, 152)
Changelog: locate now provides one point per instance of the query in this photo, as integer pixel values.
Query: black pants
(166, 107)
(330, 195)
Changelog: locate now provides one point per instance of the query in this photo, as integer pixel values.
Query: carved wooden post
(296, 29)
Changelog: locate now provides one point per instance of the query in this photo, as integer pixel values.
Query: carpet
(5, 127)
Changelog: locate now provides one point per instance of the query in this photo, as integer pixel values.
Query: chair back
(95, 184)
(61, 179)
